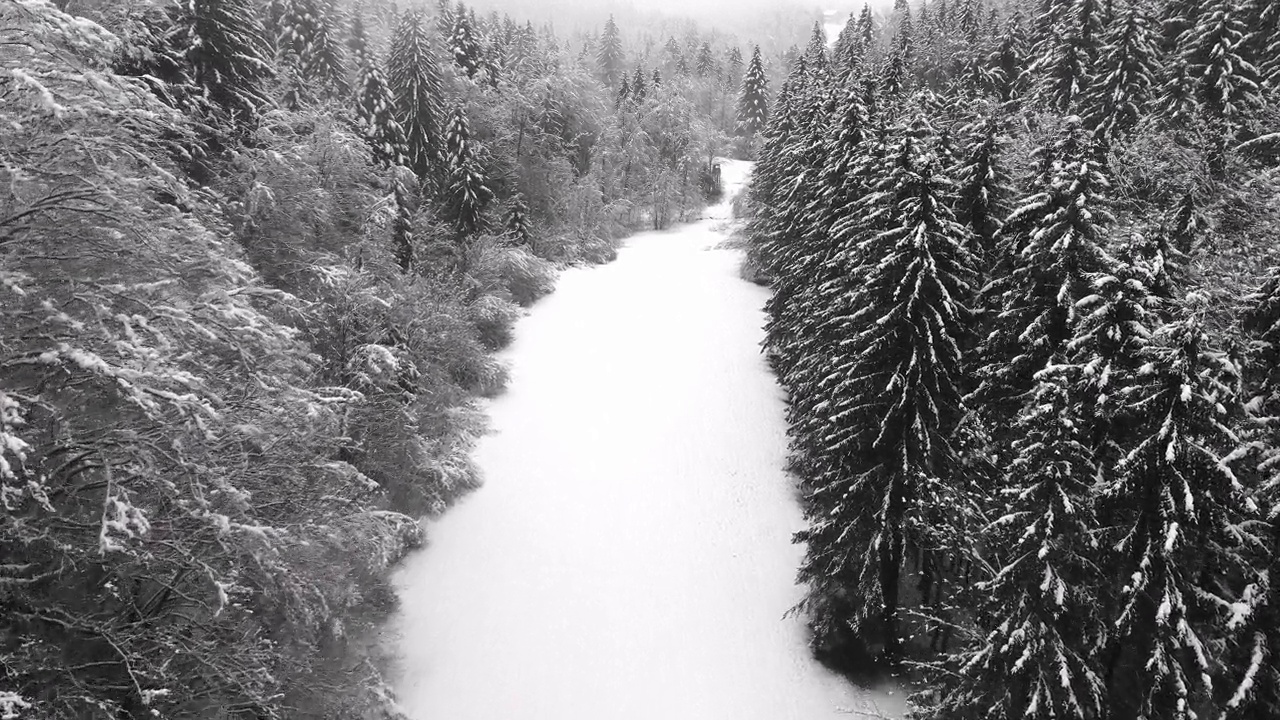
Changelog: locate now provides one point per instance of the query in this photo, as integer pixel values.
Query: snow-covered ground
(629, 556)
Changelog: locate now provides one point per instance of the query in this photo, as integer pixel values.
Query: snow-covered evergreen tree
(753, 104)
(418, 89)
(705, 66)
(1032, 653)
(1175, 515)
(466, 191)
(1228, 85)
(984, 187)
(609, 57)
(1051, 244)
(1126, 74)
(375, 111)
(896, 391)
(733, 69)
(1065, 57)
(229, 52)
(517, 225)
(309, 47)
(464, 46)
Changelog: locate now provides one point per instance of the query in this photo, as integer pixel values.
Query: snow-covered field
(630, 555)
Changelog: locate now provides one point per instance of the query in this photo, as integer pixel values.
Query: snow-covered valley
(629, 556)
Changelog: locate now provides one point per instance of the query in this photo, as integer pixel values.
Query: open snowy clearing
(630, 555)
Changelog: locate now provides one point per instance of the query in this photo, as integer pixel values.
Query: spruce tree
(753, 105)
(896, 388)
(1008, 63)
(1174, 511)
(1254, 686)
(230, 53)
(1050, 245)
(705, 66)
(418, 90)
(466, 192)
(1126, 75)
(1032, 656)
(639, 86)
(1228, 85)
(733, 71)
(464, 46)
(375, 107)
(517, 226)
(984, 187)
(1066, 56)
(609, 58)
(309, 47)
(1107, 350)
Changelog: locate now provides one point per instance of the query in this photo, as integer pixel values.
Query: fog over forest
(721, 15)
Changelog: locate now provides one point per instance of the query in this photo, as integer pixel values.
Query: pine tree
(517, 226)
(1228, 86)
(1008, 63)
(984, 188)
(309, 48)
(753, 106)
(610, 58)
(733, 72)
(1254, 687)
(1051, 244)
(375, 107)
(639, 86)
(418, 89)
(705, 66)
(229, 53)
(1174, 513)
(466, 192)
(1031, 657)
(1065, 56)
(896, 389)
(1126, 76)
(896, 78)
(464, 46)
(1116, 321)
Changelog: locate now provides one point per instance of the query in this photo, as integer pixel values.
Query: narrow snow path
(629, 556)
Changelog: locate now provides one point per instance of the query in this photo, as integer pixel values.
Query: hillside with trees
(255, 259)
(1024, 301)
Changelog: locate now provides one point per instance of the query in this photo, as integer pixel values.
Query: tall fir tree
(609, 57)
(1175, 515)
(753, 104)
(230, 53)
(418, 90)
(1032, 655)
(1228, 85)
(375, 107)
(1125, 77)
(309, 47)
(466, 192)
(464, 46)
(896, 388)
(1051, 244)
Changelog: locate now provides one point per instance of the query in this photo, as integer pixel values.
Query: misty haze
(555, 360)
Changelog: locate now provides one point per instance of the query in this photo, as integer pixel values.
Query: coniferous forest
(1025, 304)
